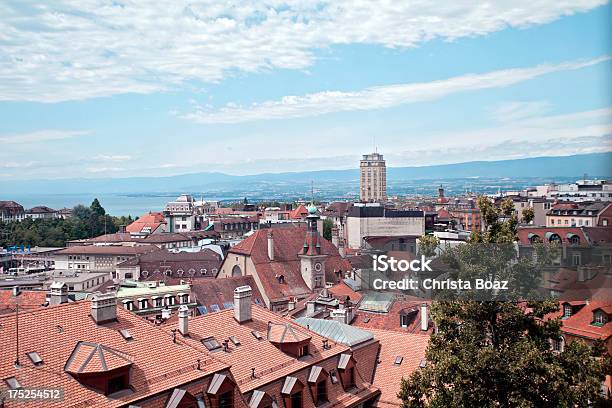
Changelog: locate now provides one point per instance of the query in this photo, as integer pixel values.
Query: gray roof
(335, 331)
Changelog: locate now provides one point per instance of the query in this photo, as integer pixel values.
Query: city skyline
(241, 91)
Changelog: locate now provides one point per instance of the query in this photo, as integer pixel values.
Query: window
(321, 392)
(211, 343)
(398, 360)
(350, 376)
(404, 320)
(226, 400)
(600, 318)
(558, 344)
(116, 384)
(567, 310)
(333, 377)
(296, 400)
(576, 259)
(35, 358)
(303, 351)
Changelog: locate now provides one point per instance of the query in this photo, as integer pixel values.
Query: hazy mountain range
(595, 165)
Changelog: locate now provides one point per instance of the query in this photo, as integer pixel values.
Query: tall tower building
(373, 186)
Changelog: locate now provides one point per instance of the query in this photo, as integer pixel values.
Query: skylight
(398, 360)
(215, 307)
(423, 363)
(126, 334)
(211, 343)
(366, 320)
(234, 340)
(257, 335)
(12, 383)
(228, 305)
(35, 358)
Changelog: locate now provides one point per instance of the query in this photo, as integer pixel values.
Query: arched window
(236, 271)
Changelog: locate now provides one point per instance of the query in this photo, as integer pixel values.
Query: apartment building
(373, 178)
(587, 214)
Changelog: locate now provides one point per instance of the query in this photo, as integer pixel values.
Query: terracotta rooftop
(28, 300)
(60, 332)
(288, 243)
(581, 322)
(410, 347)
(271, 363)
(149, 222)
(220, 292)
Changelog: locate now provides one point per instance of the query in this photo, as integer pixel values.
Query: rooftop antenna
(312, 191)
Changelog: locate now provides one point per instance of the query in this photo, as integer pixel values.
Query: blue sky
(115, 89)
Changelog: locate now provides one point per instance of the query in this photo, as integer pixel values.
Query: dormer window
(599, 318)
(143, 303)
(567, 310)
(318, 385)
(346, 368)
(292, 393)
(221, 391)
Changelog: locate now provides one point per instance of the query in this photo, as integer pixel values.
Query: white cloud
(58, 51)
(114, 158)
(104, 169)
(41, 136)
(515, 110)
(379, 97)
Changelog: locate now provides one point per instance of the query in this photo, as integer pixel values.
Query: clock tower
(312, 261)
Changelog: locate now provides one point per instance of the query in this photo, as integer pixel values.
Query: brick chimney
(270, 245)
(424, 317)
(183, 320)
(242, 303)
(104, 307)
(58, 293)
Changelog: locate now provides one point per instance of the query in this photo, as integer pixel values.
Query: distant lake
(114, 204)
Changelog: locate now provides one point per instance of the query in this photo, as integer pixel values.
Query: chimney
(58, 293)
(242, 303)
(16, 291)
(424, 317)
(292, 303)
(183, 318)
(310, 308)
(270, 246)
(104, 307)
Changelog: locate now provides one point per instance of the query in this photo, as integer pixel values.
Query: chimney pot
(270, 245)
(103, 307)
(424, 317)
(242, 303)
(58, 293)
(183, 317)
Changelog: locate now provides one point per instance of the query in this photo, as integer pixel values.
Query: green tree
(497, 353)
(527, 215)
(328, 224)
(97, 208)
(428, 244)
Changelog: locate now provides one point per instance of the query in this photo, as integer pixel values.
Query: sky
(120, 88)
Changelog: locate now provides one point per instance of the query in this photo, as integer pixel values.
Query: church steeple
(312, 243)
(312, 260)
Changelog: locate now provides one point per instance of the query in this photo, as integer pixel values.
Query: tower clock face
(318, 266)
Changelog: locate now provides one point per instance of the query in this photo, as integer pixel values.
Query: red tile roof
(411, 347)
(579, 323)
(299, 213)
(28, 300)
(564, 233)
(288, 244)
(391, 319)
(151, 221)
(55, 332)
(271, 365)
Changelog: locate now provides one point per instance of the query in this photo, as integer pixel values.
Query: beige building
(373, 178)
(373, 220)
